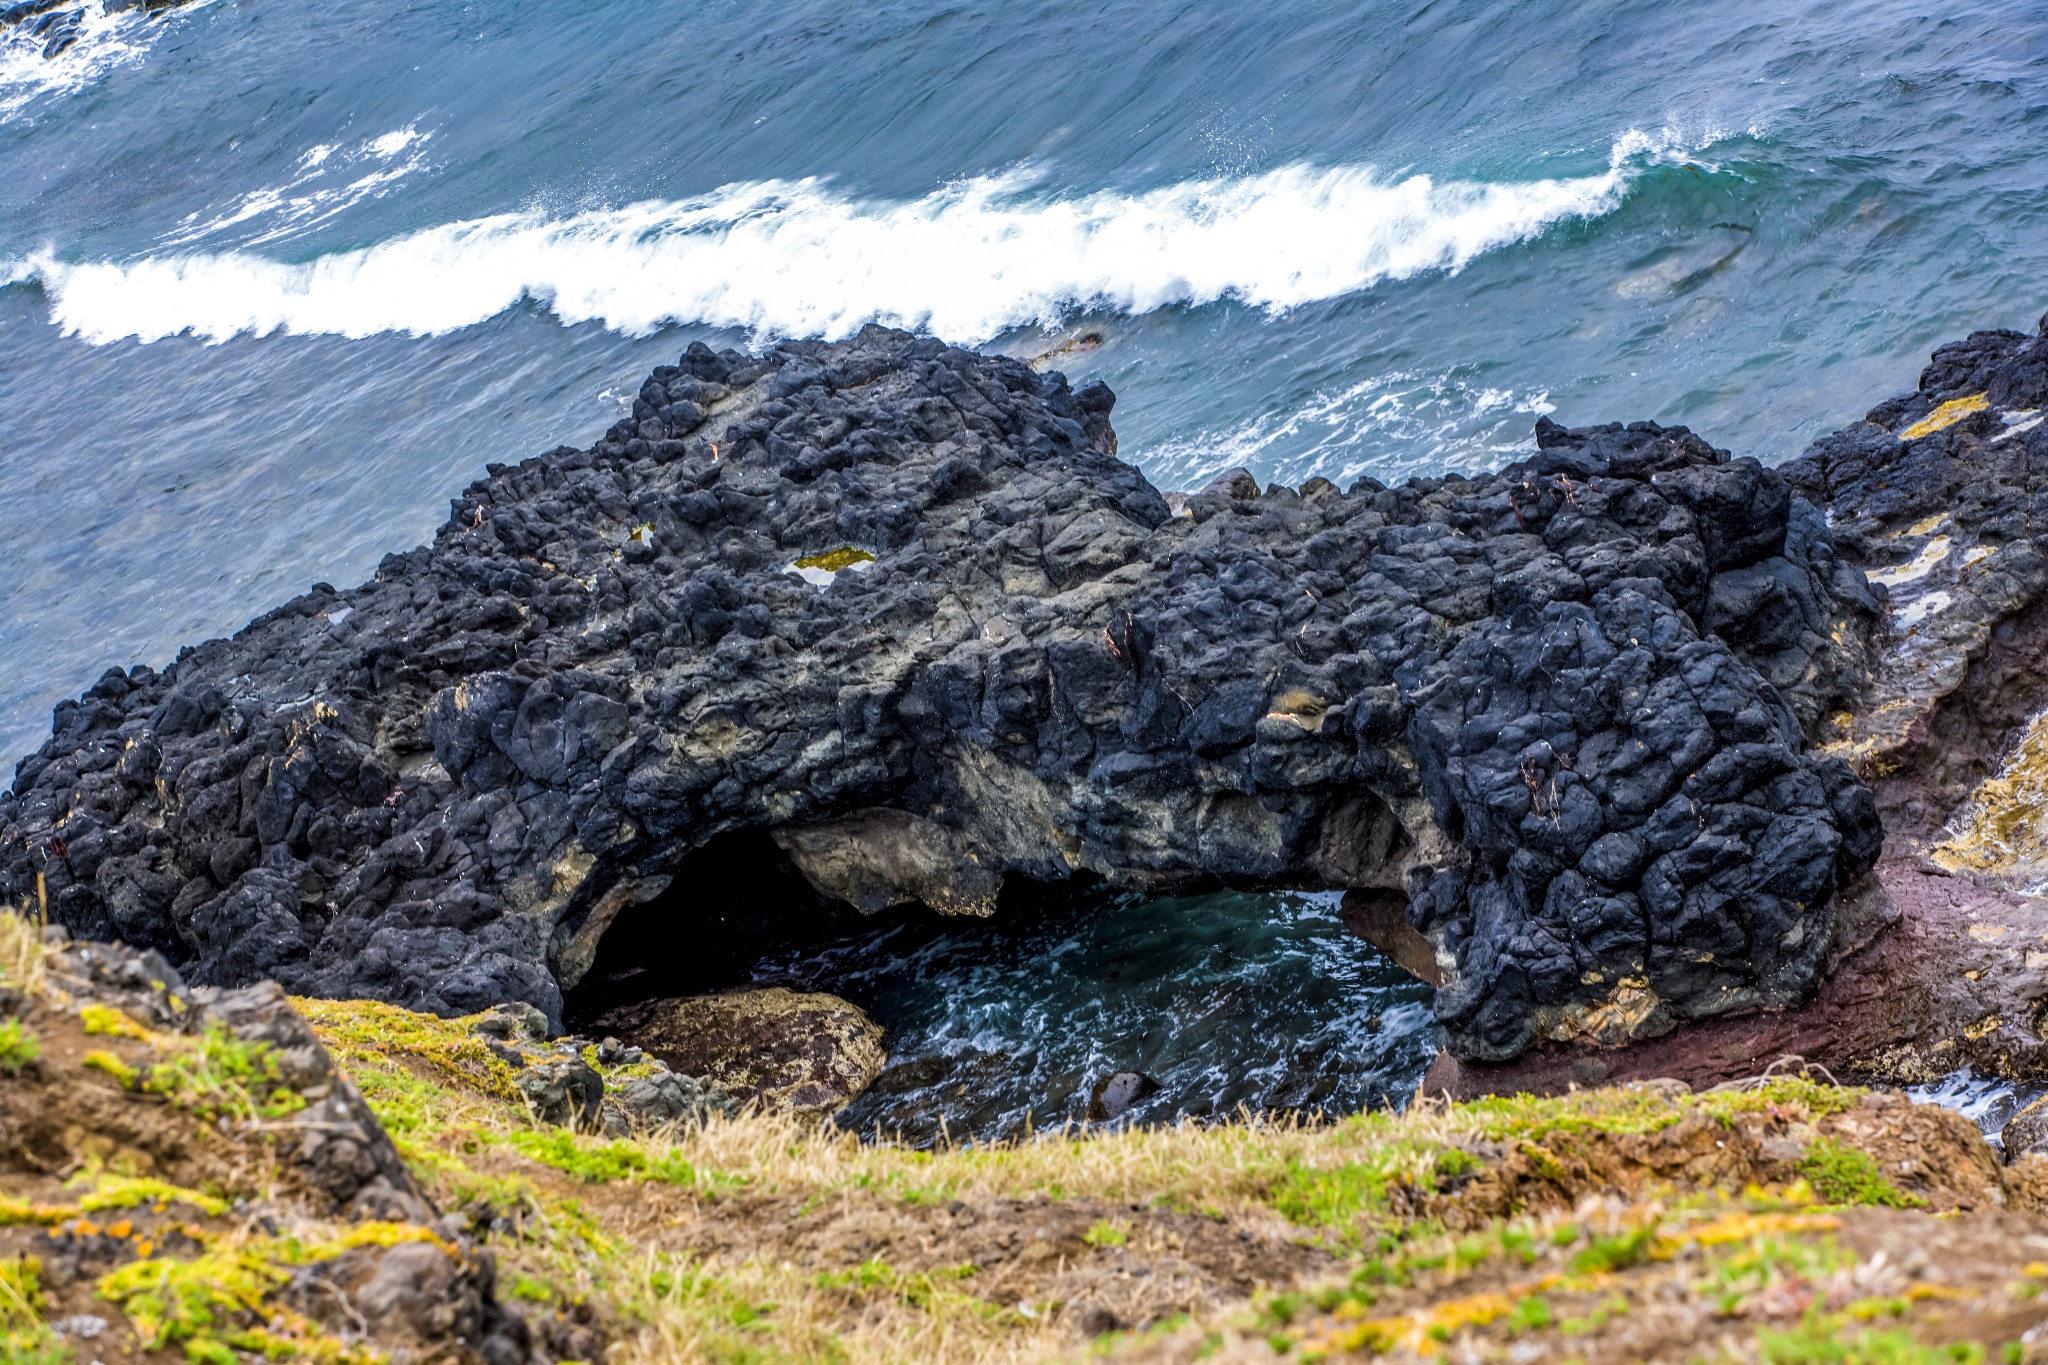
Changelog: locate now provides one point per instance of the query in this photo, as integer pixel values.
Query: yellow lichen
(2001, 829)
(1922, 564)
(1425, 1329)
(109, 1022)
(99, 1059)
(832, 561)
(1947, 415)
(1741, 1226)
(127, 1192)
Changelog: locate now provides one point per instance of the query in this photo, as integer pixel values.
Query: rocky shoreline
(1599, 744)
(1936, 497)
(1690, 786)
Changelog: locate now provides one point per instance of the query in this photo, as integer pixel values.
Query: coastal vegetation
(1784, 1220)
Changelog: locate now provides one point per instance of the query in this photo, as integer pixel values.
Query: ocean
(276, 279)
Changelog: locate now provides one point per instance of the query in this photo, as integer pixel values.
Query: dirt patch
(1118, 1264)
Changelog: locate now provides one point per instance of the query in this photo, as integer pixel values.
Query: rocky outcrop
(1940, 496)
(1561, 707)
(187, 1172)
(804, 1052)
(605, 1086)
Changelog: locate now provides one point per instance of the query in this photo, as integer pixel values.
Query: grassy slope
(1785, 1222)
(1788, 1221)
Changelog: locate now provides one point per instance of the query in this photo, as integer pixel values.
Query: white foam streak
(327, 182)
(798, 258)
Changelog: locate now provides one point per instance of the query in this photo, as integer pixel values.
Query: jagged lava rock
(1561, 707)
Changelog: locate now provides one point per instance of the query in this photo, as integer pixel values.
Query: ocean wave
(800, 258)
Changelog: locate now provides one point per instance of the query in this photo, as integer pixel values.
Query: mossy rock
(810, 1053)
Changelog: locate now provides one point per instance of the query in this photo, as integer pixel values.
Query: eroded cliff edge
(1562, 709)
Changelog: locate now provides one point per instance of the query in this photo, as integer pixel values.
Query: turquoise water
(277, 278)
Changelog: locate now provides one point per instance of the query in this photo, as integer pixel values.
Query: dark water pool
(1229, 1001)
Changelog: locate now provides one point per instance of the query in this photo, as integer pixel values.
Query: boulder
(127, 1072)
(564, 1091)
(2026, 1133)
(808, 1053)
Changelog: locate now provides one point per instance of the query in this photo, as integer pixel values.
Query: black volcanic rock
(1563, 707)
(1941, 495)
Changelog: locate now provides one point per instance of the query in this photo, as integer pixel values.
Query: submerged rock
(1560, 708)
(1116, 1095)
(808, 1053)
(57, 25)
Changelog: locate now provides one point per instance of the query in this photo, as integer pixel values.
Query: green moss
(208, 1305)
(369, 1034)
(1841, 1174)
(1106, 1234)
(1625, 1112)
(1821, 1339)
(1606, 1255)
(598, 1163)
(18, 1046)
(403, 1102)
(1532, 1314)
(217, 1075)
(1337, 1198)
(221, 1302)
(832, 561)
(25, 1338)
(1732, 1278)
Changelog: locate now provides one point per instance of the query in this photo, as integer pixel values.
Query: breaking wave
(801, 258)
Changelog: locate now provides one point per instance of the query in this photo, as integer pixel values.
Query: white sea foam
(104, 40)
(329, 179)
(801, 258)
(1440, 424)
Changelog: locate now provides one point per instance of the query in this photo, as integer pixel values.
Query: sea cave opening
(1227, 998)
